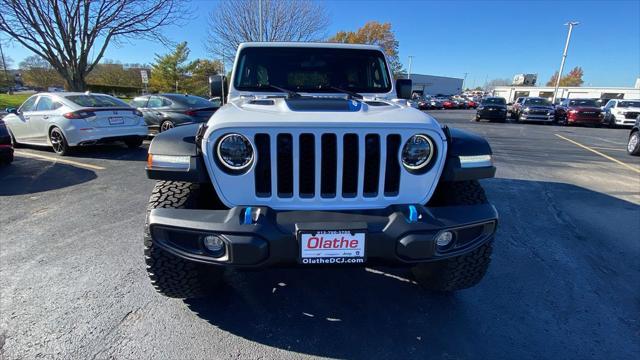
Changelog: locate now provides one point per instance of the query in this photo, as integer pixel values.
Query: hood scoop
(265, 102)
(319, 104)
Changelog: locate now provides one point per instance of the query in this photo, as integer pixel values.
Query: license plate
(332, 247)
(116, 120)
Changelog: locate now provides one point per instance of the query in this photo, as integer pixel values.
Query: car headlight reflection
(235, 152)
(417, 152)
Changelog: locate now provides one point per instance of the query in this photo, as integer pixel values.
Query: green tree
(200, 70)
(374, 33)
(170, 70)
(115, 74)
(37, 72)
(573, 78)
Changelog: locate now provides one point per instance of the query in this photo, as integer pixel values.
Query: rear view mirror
(403, 88)
(11, 110)
(218, 87)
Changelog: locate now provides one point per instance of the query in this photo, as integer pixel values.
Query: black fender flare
(180, 141)
(465, 143)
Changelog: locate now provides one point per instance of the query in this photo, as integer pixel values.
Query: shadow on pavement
(115, 151)
(28, 176)
(551, 292)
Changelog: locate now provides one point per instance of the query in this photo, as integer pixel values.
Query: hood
(630, 108)
(320, 112)
(496, 106)
(539, 107)
(585, 108)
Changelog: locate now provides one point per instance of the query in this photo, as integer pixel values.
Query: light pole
(260, 19)
(564, 57)
(410, 62)
(464, 81)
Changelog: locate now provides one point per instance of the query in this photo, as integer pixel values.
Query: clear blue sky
(486, 39)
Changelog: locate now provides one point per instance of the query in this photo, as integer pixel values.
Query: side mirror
(218, 87)
(11, 110)
(509, 104)
(403, 88)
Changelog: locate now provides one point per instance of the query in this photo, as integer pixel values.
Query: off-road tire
(170, 275)
(464, 271)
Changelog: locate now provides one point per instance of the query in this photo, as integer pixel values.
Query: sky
(485, 39)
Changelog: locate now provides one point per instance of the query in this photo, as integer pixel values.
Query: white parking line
(599, 153)
(58, 160)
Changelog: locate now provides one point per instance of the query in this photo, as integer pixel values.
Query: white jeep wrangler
(316, 159)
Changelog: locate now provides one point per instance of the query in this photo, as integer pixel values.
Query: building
(435, 85)
(511, 93)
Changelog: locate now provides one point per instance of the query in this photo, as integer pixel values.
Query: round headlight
(417, 152)
(235, 151)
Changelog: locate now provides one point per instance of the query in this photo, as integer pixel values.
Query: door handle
(45, 117)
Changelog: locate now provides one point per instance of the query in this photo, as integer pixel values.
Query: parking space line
(58, 160)
(599, 153)
(607, 148)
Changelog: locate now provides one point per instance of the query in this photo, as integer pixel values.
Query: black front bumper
(260, 236)
(493, 114)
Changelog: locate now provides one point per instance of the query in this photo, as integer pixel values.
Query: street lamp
(564, 57)
(410, 62)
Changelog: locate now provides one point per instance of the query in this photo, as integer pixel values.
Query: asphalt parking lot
(564, 282)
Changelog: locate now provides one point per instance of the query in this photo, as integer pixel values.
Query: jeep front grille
(348, 166)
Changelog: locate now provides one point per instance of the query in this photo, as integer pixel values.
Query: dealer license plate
(116, 120)
(332, 247)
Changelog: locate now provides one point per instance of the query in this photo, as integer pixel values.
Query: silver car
(63, 120)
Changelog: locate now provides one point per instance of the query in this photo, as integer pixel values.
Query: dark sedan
(6, 147)
(578, 111)
(492, 108)
(165, 111)
(633, 146)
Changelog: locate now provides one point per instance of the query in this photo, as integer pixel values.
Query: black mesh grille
(307, 166)
(329, 166)
(263, 166)
(371, 165)
(285, 165)
(392, 171)
(350, 166)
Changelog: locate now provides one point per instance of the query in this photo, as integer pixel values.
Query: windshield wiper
(290, 93)
(351, 94)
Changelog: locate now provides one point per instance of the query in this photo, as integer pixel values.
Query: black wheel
(134, 142)
(170, 275)
(612, 122)
(478, 118)
(633, 146)
(6, 160)
(59, 142)
(464, 271)
(167, 125)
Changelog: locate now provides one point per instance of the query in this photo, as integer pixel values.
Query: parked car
(424, 104)
(578, 111)
(304, 177)
(533, 109)
(436, 104)
(449, 104)
(64, 120)
(6, 146)
(620, 112)
(492, 108)
(165, 111)
(472, 104)
(633, 145)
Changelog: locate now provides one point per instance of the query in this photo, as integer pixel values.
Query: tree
(573, 78)
(115, 74)
(37, 72)
(374, 33)
(170, 69)
(235, 21)
(66, 33)
(200, 70)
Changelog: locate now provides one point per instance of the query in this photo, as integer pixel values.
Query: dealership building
(435, 85)
(511, 93)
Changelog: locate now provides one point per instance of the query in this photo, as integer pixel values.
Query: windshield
(539, 102)
(494, 101)
(96, 101)
(311, 70)
(190, 101)
(582, 102)
(629, 104)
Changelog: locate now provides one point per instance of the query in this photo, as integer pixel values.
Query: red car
(579, 111)
(448, 104)
(471, 104)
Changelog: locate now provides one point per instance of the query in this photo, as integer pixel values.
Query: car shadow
(546, 280)
(111, 151)
(28, 176)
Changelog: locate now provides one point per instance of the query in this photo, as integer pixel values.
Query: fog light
(444, 238)
(214, 244)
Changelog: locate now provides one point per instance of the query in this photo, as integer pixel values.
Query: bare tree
(235, 21)
(66, 32)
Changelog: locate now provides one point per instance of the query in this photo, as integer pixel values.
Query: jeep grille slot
(307, 166)
(285, 165)
(263, 166)
(350, 166)
(329, 159)
(371, 165)
(392, 171)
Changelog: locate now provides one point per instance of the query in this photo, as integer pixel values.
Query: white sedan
(63, 120)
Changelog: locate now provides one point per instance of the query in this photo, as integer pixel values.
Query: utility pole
(410, 63)
(6, 73)
(564, 57)
(260, 19)
(464, 80)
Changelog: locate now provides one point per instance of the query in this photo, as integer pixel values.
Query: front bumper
(492, 114)
(94, 135)
(260, 236)
(532, 117)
